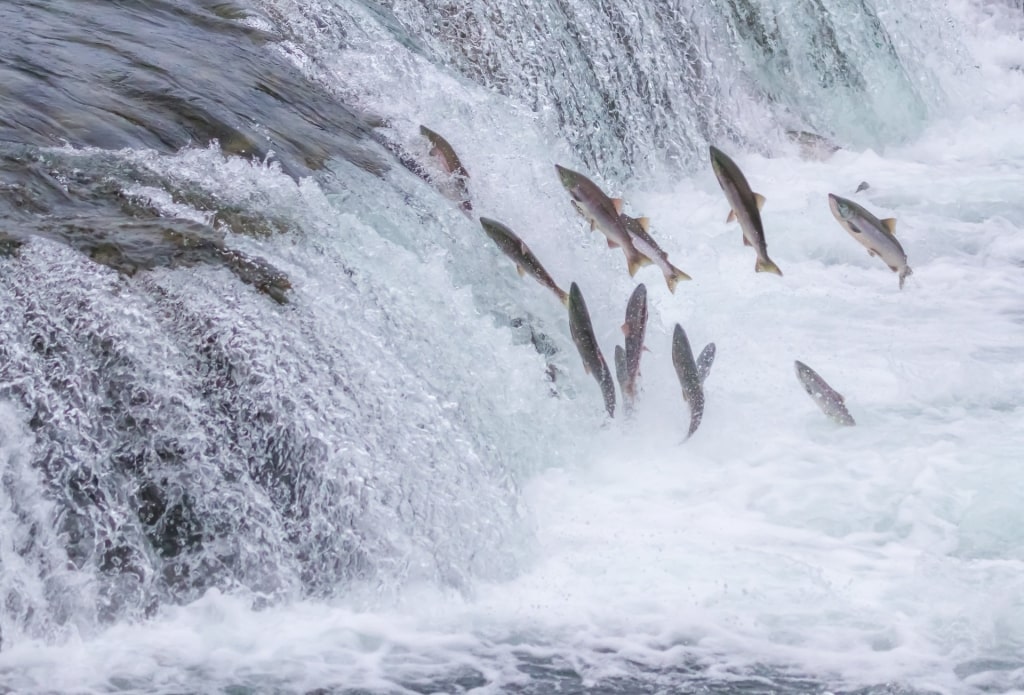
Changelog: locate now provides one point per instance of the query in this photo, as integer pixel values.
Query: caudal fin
(906, 272)
(673, 277)
(696, 415)
(766, 266)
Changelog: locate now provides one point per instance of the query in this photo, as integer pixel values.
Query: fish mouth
(717, 158)
(833, 204)
(564, 175)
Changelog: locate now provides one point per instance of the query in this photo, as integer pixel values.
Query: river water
(276, 415)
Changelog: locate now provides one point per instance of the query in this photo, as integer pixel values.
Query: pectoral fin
(745, 241)
(612, 244)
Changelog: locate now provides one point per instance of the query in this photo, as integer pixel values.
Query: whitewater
(501, 534)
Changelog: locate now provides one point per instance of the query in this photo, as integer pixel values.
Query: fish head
(494, 229)
(722, 165)
(569, 179)
(729, 176)
(717, 160)
(805, 374)
(578, 314)
(841, 207)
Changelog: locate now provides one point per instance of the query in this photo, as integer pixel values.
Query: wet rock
(132, 77)
(9, 245)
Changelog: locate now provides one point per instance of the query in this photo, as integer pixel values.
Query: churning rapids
(276, 416)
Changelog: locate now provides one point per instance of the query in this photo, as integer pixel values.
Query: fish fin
(760, 200)
(612, 244)
(608, 391)
(645, 261)
(563, 295)
(766, 266)
(645, 224)
(617, 204)
(871, 253)
(625, 329)
(673, 279)
(746, 242)
(519, 269)
(636, 264)
(593, 225)
(890, 224)
(893, 269)
(906, 273)
(731, 217)
(695, 418)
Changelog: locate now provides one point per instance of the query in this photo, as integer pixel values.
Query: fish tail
(673, 277)
(766, 266)
(608, 391)
(695, 417)
(906, 272)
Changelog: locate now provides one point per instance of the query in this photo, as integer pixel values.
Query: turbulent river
(276, 416)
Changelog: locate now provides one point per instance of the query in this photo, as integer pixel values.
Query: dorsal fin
(645, 224)
(760, 200)
(617, 204)
(890, 224)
